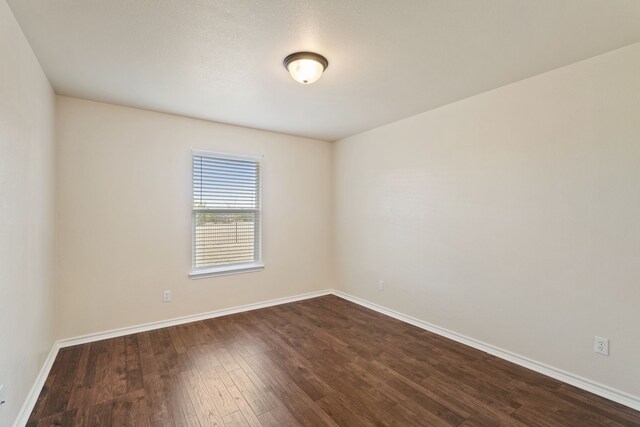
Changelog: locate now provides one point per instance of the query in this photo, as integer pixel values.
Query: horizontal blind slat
(214, 174)
(206, 160)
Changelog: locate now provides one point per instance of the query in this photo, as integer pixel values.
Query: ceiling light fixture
(305, 67)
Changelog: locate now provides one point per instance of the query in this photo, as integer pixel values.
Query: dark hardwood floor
(323, 361)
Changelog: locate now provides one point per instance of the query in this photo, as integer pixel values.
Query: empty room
(319, 213)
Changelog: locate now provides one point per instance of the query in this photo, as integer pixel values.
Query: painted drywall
(510, 217)
(26, 216)
(124, 216)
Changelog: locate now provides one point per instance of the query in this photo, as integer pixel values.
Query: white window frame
(227, 269)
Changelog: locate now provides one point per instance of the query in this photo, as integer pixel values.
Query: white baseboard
(32, 397)
(98, 336)
(567, 377)
(559, 374)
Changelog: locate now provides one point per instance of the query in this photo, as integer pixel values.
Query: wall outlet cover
(602, 346)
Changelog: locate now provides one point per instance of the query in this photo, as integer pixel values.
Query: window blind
(226, 211)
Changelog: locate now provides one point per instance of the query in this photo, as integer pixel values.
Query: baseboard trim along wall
(68, 342)
(567, 377)
(32, 397)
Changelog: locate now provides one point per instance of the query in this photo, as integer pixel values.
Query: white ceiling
(222, 60)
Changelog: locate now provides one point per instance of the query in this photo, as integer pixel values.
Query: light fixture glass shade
(305, 67)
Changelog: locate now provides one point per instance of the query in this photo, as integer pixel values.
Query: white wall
(26, 215)
(511, 217)
(124, 216)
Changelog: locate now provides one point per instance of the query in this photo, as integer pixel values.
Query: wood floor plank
(305, 410)
(270, 374)
(533, 419)
(63, 373)
(265, 390)
(430, 399)
(545, 402)
(256, 399)
(235, 419)
(202, 401)
(81, 387)
(148, 362)
(469, 403)
(185, 402)
(223, 400)
(133, 352)
(102, 388)
(177, 402)
(319, 362)
(119, 367)
(426, 412)
(203, 357)
(156, 401)
(226, 359)
(247, 411)
(304, 376)
(600, 405)
(130, 410)
(64, 419)
(405, 417)
(278, 417)
(224, 375)
(342, 412)
(498, 401)
(100, 414)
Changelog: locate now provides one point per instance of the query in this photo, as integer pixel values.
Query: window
(225, 214)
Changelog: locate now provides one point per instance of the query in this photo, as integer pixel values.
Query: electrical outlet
(380, 285)
(166, 296)
(602, 346)
(1, 394)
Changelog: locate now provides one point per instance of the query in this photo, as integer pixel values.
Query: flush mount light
(305, 67)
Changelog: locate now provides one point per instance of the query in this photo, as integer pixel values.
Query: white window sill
(225, 270)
